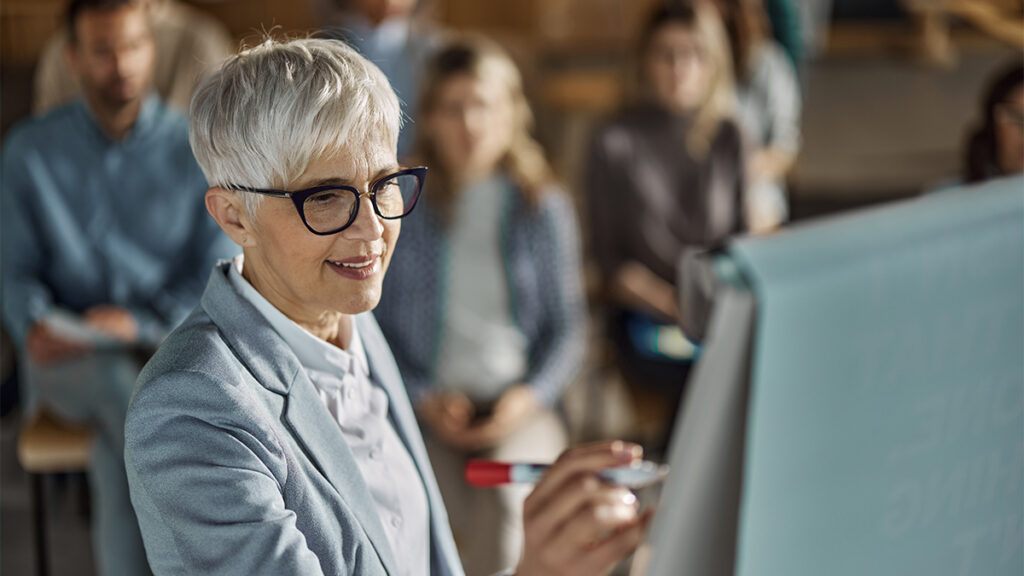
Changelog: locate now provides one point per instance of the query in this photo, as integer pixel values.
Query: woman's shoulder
(770, 64)
(193, 367)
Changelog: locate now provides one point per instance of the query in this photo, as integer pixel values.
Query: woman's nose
(367, 225)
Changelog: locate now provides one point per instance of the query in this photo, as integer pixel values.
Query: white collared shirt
(360, 407)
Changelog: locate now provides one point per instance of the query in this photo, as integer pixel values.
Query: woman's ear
(226, 208)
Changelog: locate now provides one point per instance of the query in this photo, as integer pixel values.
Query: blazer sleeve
(556, 359)
(206, 482)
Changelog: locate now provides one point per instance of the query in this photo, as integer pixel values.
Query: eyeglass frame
(298, 197)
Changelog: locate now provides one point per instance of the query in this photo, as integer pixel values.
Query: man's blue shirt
(89, 221)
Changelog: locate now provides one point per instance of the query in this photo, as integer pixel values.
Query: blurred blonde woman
(483, 306)
(664, 174)
(768, 108)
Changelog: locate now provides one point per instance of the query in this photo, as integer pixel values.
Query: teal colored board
(886, 418)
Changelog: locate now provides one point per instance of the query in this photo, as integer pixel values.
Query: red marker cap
(485, 473)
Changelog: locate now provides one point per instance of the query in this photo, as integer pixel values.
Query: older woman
(271, 433)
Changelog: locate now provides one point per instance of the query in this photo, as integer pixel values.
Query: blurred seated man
(105, 247)
(189, 44)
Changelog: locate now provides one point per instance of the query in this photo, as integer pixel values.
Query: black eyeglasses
(327, 210)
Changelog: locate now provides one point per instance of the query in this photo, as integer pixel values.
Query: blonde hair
(717, 105)
(270, 110)
(481, 59)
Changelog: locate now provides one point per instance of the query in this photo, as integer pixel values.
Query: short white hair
(270, 110)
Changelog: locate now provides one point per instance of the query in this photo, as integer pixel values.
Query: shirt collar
(143, 123)
(313, 353)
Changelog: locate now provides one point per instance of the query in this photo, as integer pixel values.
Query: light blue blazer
(236, 467)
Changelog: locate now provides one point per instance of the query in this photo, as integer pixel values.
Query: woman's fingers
(587, 459)
(585, 515)
(598, 534)
(456, 408)
(601, 558)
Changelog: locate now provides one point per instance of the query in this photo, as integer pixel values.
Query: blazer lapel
(323, 442)
(385, 372)
(275, 367)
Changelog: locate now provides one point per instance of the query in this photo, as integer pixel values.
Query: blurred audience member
(483, 305)
(996, 147)
(189, 45)
(391, 35)
(786, 27)
(665, 174)
(105, 246)
(768, 99)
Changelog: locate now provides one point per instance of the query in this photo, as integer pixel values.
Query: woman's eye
(323, 197)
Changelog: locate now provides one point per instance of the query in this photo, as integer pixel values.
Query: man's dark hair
(76, 7)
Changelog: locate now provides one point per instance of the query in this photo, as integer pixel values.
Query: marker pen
(485, 473)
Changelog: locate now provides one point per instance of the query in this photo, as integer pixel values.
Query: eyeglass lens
(333, 208)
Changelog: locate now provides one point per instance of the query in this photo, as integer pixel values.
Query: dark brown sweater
(648, 197)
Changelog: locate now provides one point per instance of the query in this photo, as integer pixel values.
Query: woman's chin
(361, 301)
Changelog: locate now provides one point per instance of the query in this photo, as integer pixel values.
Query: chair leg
(39, 520)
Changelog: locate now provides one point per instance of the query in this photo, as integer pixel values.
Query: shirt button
(396, 521)
(350, 393)
(374, 453)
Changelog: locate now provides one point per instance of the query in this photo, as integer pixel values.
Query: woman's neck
(331, 327)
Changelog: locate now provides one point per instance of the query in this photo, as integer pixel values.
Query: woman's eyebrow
(333, 181)
(389, 169)
(338, 181)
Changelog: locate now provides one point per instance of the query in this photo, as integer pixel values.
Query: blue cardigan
(542, 263)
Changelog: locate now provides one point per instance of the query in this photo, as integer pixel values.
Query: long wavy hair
(747, 26)
(704, 21)
(524, 161)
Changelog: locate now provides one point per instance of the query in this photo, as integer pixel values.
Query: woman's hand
(574, 523)
(766, 164)
(447, 414)
(637, 287)
(512, 410)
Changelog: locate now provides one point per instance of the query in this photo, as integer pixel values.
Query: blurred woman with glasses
(483, 306)
(665, 174)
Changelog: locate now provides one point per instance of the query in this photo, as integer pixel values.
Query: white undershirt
(360, 407)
